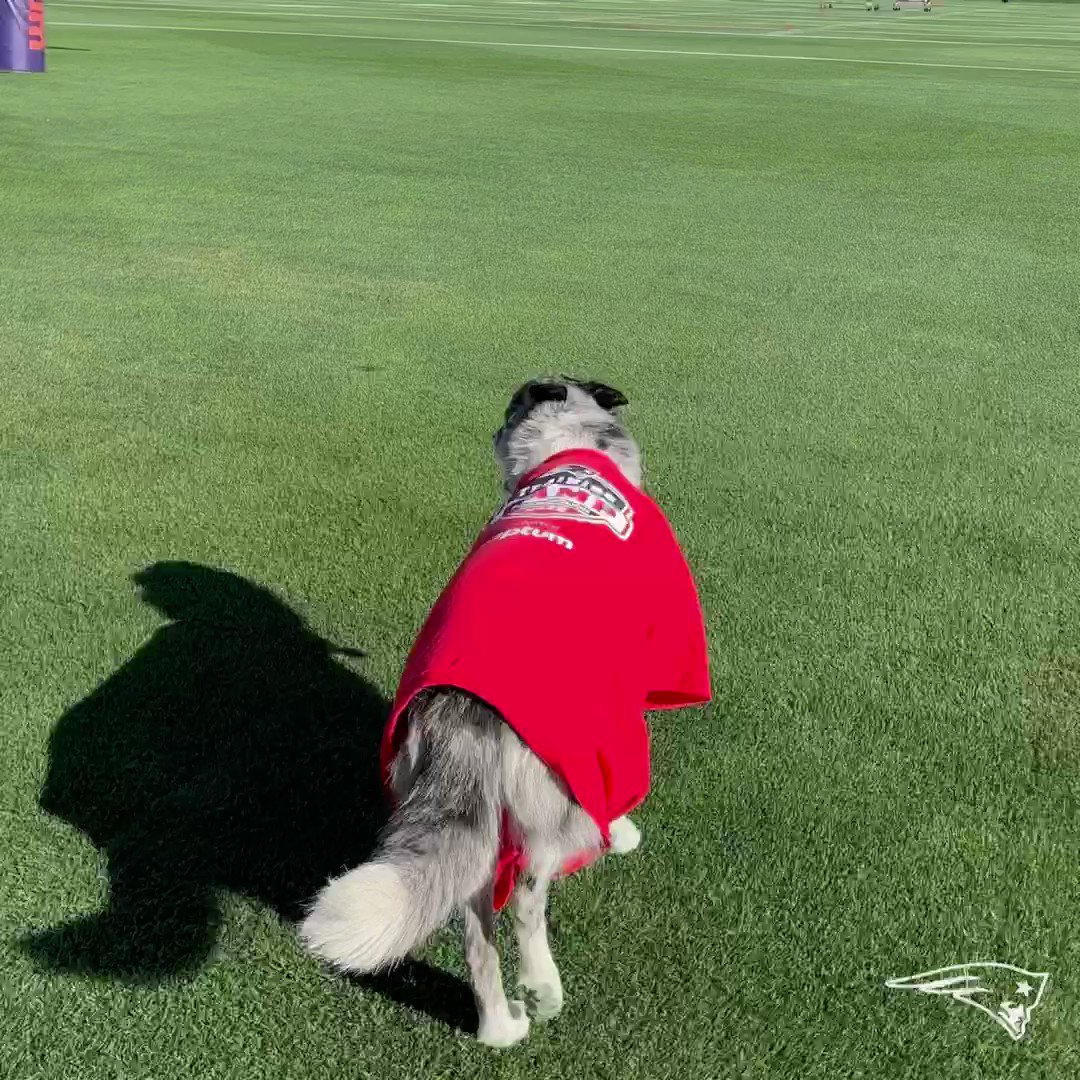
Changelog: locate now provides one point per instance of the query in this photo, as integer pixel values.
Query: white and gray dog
(462, 773)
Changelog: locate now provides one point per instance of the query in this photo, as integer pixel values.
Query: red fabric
(573, 613)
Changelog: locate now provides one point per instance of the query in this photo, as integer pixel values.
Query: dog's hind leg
(502, 1022)
(625, 836)
(554, 829)
(538, 974)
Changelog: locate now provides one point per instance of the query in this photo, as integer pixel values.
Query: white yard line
(855, 36)
(703, 53)
(754, 12)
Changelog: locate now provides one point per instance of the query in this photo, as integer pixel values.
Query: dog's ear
(607, 397)
(539, 392)
(527, 397)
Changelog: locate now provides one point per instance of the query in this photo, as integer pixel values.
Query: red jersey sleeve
(678, 655)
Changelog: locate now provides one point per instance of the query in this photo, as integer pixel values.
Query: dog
(517, 745)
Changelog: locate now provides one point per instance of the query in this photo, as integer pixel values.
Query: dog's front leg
(538, 974)
(502, 1022)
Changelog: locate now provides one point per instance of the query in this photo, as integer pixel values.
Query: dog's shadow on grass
(234, 752)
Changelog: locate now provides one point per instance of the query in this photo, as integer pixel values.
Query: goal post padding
(22, 35)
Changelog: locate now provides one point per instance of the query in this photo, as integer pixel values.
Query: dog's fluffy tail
(437, 851)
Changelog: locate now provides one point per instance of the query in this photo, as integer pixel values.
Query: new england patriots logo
(1007, 994)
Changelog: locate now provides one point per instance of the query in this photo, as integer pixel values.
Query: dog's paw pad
(625, 836)
(505, 1030)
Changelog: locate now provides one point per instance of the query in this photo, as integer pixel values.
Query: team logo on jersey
(571, 493)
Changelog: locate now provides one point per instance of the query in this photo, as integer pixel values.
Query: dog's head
(547, 416)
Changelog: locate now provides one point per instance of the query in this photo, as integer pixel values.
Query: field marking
(364, 7)
(622, 10)
(986, 17)
(805, 10)
(575, 48)
(373, 11)
(495, 13)
(176, 8)
(988, 43)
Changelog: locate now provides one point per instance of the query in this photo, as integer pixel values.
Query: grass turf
(269, 275)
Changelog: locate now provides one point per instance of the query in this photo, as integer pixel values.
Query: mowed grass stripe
(566, 46)
(880, 33)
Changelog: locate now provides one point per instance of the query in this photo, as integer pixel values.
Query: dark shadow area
(66, 48)
(419, 986)
(235, 751)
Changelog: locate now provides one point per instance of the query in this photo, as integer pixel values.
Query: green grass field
(269, 274)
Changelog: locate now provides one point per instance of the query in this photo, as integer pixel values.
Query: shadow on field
(234, 751)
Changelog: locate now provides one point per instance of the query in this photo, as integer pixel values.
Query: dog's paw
(544, 991)
(505, 1030)
(625, 836)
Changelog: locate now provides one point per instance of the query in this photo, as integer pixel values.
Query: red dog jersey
(573, 613)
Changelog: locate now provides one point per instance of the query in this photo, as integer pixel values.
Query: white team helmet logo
(1007, 994)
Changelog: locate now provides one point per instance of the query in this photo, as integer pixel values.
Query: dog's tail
(437, 851)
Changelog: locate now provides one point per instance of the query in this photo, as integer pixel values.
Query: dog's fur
(460, 769)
